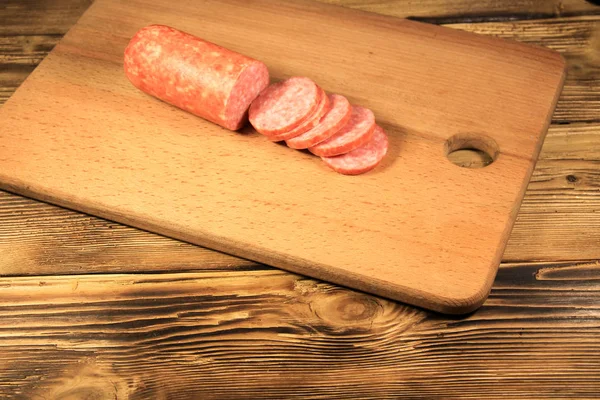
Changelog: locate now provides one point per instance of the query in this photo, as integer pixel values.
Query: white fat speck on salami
(320, 111)
(338, 116)
(283, 106)
(362, 159)
(354, 134)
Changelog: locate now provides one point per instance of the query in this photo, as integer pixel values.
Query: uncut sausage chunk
(354, 134)
(195, 75)
(362, 159)
(322, 109)
(284, 105)
(338, 116)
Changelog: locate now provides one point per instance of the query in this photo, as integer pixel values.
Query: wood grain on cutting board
(417, 229)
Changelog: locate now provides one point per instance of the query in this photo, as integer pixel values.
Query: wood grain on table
(93, 309)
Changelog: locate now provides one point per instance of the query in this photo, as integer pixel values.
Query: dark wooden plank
(11, 79)
(40, 17)
(447, 11)
(270, 334)
(25, 50)
(36, 17)
(29, 29)
(19, 55)
(559, 218)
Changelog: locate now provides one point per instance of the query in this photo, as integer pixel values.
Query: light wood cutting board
(418, 229)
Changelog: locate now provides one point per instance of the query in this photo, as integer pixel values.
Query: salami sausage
(354, 134)
(322, 109)
(362, 159)
(284, 105)
(195, 75)
(338, 116)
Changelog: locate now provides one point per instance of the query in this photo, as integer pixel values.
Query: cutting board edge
(372, 286)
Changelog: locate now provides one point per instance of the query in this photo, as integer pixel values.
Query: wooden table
(90, 309)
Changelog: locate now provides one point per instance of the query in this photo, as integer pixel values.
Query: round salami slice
(354, 134)
(322, 109)
(362, 159)
(284, 105)
(338, 116)
(197, 76)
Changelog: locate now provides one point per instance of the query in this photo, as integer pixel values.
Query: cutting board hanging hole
(469, 150)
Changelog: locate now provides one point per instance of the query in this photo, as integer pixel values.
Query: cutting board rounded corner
(466, 303)
(459, 303)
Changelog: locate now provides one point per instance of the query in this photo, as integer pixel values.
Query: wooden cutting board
(418, 229)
